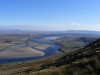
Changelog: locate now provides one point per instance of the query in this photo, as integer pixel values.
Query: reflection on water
(52, 38)
(48, 52)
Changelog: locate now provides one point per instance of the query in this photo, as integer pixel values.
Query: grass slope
(85, 61)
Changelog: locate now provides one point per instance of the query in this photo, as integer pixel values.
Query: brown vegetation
(85, 61)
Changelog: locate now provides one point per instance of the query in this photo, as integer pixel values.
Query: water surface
(42, 40)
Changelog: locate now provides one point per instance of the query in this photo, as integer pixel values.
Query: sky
(50, 15)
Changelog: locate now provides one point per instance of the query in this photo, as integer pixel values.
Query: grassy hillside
(85, 61)
(73, 43)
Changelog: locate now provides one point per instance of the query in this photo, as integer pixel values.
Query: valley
(52, 55)
(27, 49)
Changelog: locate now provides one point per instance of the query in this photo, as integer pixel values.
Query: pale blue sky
(50, 14)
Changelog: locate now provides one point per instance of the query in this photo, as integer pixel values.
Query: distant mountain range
(82, 32)
(6, 32)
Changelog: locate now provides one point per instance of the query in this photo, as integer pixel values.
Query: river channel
(53, 49)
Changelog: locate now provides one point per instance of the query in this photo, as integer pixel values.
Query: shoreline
(28, 58)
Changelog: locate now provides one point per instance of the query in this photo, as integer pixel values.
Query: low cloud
(75, 24)
(72, 26)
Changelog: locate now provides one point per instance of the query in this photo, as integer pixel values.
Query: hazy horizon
(50, 15)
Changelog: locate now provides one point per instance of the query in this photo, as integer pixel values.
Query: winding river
(41, 40)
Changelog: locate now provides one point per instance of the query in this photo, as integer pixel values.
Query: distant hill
(6, 32)
(83, 32)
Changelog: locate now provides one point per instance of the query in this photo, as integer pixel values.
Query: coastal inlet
(34, 49)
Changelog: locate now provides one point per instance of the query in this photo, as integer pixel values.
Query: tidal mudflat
(20, 51)
(30, 50)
